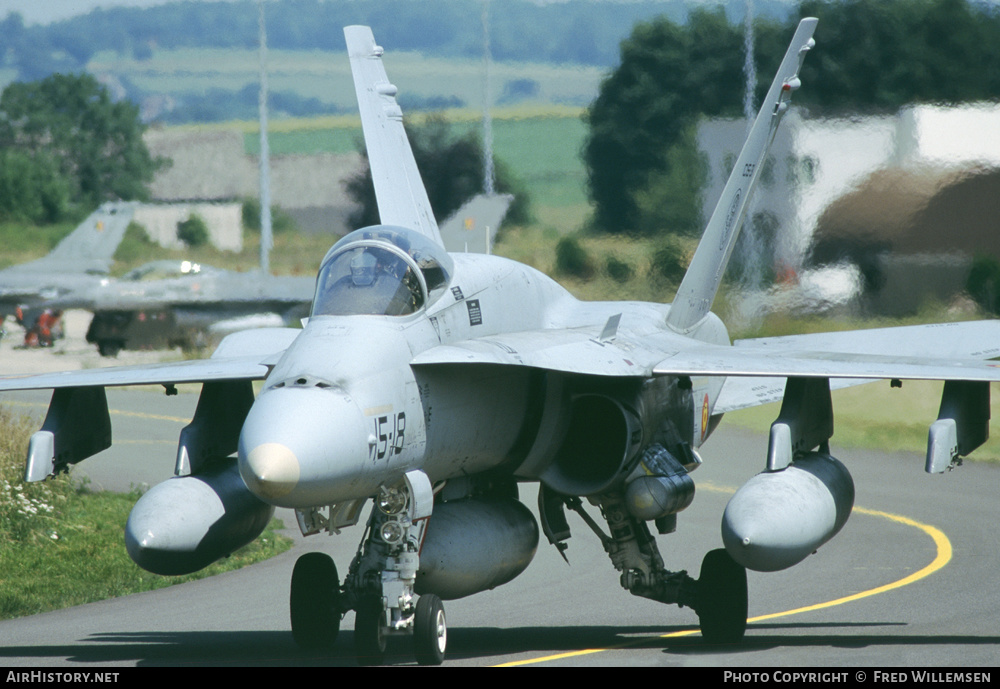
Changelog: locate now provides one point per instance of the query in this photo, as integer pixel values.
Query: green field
(879, 417)
(62, 545)
(539, 144)
(327, 76)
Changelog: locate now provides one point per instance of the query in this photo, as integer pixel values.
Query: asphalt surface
(575, 614)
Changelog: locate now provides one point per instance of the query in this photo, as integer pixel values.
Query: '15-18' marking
(389, 430)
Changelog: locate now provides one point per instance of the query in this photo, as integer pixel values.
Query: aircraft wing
(246, 355)
(953, 351)
(78, 423)
(402, 199)
(198, 371)
(571, 350)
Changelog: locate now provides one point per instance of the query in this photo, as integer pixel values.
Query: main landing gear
(378, 586)
(718, 596)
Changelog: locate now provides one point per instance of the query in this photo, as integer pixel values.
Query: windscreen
(382, 270)
(367, 280)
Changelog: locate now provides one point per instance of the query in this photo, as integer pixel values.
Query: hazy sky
(44, 11)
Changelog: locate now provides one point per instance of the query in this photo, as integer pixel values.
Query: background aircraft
(160, 304)
(79, 261)
(432, 383)
(186, 304)
(474, 226)
(192, 305)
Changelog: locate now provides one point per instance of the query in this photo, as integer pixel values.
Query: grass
(24, 242)
(876, 416)
(62, 545)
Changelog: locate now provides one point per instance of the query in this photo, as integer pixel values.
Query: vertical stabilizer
(473, 227)
(90, 248)
(402, 199)
(697, 290)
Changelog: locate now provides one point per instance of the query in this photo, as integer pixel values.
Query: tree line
(580, 32)
(64, 143)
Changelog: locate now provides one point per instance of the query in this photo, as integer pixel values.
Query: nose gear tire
(430, 631)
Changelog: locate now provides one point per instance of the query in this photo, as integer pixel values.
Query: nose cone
(271, 470)
(302, 447)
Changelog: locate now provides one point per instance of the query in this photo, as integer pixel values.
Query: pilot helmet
(363, 268)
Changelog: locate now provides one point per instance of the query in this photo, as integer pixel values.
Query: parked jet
(432, 383)
(191, 305)
(186, 304)
(78, 261)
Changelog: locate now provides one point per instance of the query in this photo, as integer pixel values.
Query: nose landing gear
(378, 586)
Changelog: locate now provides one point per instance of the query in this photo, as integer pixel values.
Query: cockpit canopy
(381, 270)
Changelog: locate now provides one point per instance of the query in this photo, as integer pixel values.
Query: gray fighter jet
(186, 304)
(81, 260)
(431, 383)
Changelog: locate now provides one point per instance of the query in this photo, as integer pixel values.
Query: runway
(917, 564)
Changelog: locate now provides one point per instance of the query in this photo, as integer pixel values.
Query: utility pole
(266, 241)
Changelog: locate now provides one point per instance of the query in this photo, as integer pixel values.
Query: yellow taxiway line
(943, 556)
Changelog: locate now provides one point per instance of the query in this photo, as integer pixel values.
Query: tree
(878, 55)
(96, 143)
(451, 167)
(668, 76)
(31, 188)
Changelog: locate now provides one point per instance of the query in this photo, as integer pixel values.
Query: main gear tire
(314, 602)
(722, 598)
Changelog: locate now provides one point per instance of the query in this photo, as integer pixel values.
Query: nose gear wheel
(430, 631)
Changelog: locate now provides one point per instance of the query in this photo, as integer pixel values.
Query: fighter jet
(186, 304)
(79, 261)
(431, 384)
(190, 305)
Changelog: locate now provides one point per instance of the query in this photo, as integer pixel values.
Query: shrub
(572, 259)
(193, 231)
(281, 221)
(669, 261)
(618, 270)
(983, 283)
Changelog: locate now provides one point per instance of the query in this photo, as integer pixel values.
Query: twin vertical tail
(701, 282)
(399, 190)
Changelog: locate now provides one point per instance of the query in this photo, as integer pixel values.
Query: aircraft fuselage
(345, 409)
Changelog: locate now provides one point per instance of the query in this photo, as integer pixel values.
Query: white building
(817, 161)
(918, 184)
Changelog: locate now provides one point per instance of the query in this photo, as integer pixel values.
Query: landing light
(392, 532)
(391, 501)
